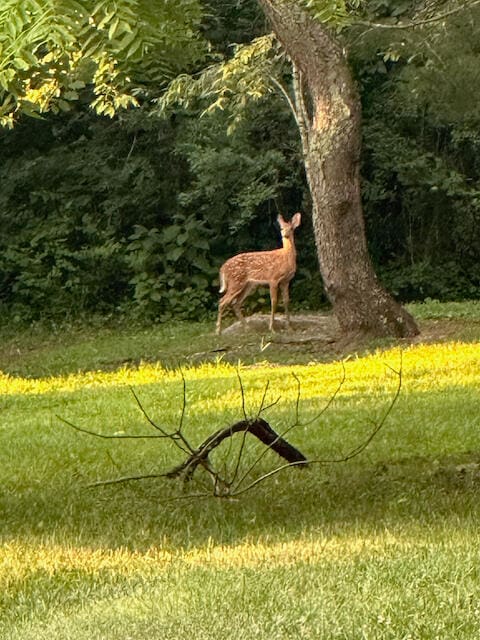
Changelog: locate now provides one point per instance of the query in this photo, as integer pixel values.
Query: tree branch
(303, 117)
(114, 436)
(228, 484)
(356, 451)
(257, 427)
(417, 23)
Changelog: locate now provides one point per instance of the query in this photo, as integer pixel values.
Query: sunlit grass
(385, 546)
(18, 559)
(352, 588)
(423, 367)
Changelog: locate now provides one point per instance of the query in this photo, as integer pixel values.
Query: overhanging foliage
(51, 50)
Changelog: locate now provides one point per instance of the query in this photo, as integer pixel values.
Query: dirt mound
(304, 326)
(318, 336)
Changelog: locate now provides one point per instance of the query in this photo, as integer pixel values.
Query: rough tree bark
(329, 118)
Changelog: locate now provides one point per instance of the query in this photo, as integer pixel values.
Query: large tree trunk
(329, 116)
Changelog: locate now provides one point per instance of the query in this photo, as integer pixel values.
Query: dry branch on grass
(231, 479)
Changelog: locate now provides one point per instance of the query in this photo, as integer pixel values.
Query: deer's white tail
(223, 283)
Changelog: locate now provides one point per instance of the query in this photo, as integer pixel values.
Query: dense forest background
(132, 215)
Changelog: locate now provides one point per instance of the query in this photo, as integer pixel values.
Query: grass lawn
(386, 545)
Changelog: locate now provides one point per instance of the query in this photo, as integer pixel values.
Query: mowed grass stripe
(423, 367)
(427, 593)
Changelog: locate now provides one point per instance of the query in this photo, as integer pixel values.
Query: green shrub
(172, 269)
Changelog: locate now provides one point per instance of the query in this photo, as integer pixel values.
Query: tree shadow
(341, 497)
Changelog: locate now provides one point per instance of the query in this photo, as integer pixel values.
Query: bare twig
(113, 436)
(362, 446)
(134, 141)
(330, 400)
(262, 403)
(356, 451)
(105, 483)
(418, 23)
(249, 470)
(287, 98)
(242, 393)
(184, 403)
(265, 476)
(164, 433)
(297, 401)
(296, 422)
(264, 407)
(176, 436)
(233, 483)
(239, 456)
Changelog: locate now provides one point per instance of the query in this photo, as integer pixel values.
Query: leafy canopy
(51, 50)
(111, 53)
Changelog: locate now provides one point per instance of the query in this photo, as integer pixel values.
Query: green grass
(43, 350)
(384, 546)
(433, 309)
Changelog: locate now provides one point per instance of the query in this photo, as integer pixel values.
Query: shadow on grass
(331, 499)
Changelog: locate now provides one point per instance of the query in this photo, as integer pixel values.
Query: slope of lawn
(386, 545)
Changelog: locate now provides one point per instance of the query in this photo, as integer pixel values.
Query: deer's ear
(296, 219)
(280, 219)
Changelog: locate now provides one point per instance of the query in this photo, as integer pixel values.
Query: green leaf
(135, 47)
(112, 32)
(76, 84)
(105, 20)
(70, 95)
(201, 243)
(171, 232)
(175, 254)
(20, 63)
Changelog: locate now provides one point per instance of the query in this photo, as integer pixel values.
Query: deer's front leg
(286, 300)
(273, 302)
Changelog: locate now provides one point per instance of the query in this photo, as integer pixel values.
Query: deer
(243, 273)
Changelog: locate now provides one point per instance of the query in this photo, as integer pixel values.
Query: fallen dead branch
(236, 475)
(257, 427)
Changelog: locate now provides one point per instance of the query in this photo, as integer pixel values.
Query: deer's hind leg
(239, 299)
(218, 326)
(224, 302)
(235, 300)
